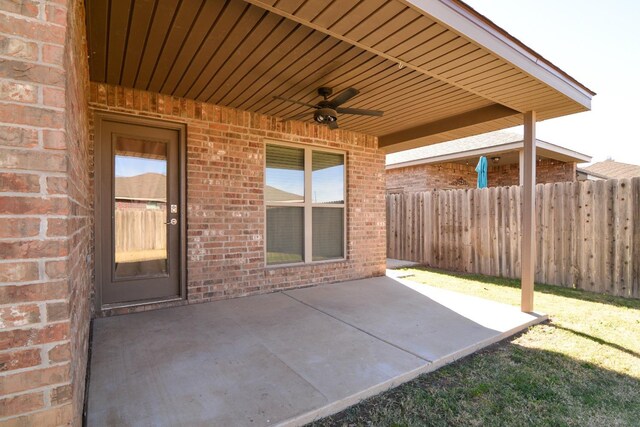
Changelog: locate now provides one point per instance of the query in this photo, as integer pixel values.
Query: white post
(528, 173)
(521, 166)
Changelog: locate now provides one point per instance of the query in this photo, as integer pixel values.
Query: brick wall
(445, 176)
(547, 171)
(225, 176)
(79, 222)
(431, 177)
(44, 212)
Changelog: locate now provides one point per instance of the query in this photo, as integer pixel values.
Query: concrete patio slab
(283, 358)
(335, 358)
(409, 319)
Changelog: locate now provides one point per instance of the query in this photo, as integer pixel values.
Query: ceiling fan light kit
(326, 111)
(322, 115)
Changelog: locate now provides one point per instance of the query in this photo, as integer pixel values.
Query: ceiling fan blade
(333, 125)
(343, 97)
(359, 111)
(295, 102)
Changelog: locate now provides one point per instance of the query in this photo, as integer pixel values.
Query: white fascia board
(454, 16)
(574, 155)
(546, 147)
(591, 175)
(460, 155)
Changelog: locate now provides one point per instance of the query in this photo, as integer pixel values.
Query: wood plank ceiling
(233, 53)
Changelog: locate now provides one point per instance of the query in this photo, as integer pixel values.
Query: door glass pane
(327, 180)
(328, 233)
(285, 234)
(140, 207)
(285, 175)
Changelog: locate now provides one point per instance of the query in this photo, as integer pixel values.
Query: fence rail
(587, 233)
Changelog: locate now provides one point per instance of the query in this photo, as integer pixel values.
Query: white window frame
(308, 204)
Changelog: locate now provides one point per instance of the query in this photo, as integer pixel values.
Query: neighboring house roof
(583, 173)
(153, 187)
(147, 187)
(612, 170)
(479, 145)
(273, 194)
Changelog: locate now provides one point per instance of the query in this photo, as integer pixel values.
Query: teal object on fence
(482, 172)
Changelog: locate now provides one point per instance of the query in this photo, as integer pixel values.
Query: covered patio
(254, 134)
(285, 358)
(410, 73)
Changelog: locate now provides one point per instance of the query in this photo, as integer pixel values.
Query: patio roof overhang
(437, 68)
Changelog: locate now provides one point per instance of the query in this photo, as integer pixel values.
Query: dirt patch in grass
(580, 368)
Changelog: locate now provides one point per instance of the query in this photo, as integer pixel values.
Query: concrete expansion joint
(359, 329)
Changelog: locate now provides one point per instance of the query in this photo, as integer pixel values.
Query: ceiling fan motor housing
(325, 115)
(326, 110)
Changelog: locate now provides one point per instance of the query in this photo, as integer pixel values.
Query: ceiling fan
(326, 111)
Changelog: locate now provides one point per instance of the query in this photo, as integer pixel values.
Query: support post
(521, 166)
(528, 241)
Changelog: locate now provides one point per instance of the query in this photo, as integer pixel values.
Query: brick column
(44, 212)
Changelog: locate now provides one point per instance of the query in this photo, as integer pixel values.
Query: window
(305, 201)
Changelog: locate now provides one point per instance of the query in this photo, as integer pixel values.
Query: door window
(139, 207)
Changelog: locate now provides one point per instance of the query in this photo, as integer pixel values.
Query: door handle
(173, 221)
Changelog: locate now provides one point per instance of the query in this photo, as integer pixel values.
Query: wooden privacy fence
(140, 230)
(587, 233)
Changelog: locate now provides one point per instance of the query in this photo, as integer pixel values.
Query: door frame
(100, 239)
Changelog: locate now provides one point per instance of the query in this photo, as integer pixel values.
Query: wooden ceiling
(428, 79)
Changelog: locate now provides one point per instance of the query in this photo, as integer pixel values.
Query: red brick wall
(431, 177)
(225, 175)
(44, 237)
(79, 190)
(547, 171)
(445, 176)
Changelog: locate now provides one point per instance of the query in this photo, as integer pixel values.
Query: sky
(598, 43)
(327, 184)
(131, 166)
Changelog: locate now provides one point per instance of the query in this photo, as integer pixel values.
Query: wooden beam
(411, 138)
(528, 213)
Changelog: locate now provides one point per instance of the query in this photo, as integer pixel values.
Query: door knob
(173, 221)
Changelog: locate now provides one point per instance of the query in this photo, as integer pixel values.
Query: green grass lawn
(582, 368)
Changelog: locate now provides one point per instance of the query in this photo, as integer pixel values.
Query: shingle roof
(613, 170)
(147, 186)
(153, 187)
(272, 194)
(490, 139)
(480, 145)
